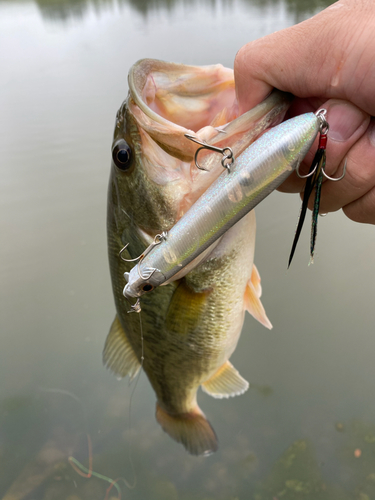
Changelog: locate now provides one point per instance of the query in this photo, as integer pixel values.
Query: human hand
(327, 62)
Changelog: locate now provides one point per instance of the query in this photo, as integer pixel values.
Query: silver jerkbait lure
(258, 171)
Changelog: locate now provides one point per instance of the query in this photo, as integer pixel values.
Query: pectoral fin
(225, 383)
(186, 309)
(252, 299)
(118, 354)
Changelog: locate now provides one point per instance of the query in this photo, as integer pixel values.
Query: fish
(258, 171)
(189, 328)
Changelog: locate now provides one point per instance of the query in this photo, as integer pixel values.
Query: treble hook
(226, 152)
(323, 129)
(314, 181)
(334, 179)
(157, 240)
(127, 260)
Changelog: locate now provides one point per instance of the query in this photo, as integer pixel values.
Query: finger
(329, 55)
(284, 60)
(347, 124)
(358, 181)
(362, 210)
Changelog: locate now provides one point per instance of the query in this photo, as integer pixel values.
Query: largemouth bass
(192, 325)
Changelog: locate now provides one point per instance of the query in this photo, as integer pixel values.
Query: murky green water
(306, 428)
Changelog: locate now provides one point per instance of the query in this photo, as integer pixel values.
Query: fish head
(154, 179)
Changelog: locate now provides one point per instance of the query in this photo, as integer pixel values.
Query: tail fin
(191, 429)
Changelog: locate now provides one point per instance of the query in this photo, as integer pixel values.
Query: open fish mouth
(168, 100)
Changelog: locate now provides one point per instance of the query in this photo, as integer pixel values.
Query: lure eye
(122, 155)
(147, 287)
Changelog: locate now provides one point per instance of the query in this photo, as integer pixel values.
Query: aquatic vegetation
(296, 476)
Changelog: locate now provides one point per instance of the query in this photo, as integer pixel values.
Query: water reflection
(63, 10)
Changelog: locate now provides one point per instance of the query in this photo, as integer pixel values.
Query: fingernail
(371, 131)
(344, 119)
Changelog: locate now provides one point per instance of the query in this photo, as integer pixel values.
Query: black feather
(315, 213)
(309, 187)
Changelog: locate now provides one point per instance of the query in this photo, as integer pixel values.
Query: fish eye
(122, 155)
(147, 287)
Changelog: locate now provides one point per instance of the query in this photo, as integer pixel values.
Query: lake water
(306, 427)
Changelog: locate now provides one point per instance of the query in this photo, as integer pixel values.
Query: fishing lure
(314, 180)
(246, 181)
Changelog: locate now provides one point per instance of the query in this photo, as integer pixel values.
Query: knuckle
(363, 209)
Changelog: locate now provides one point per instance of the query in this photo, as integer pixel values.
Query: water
(306, 428)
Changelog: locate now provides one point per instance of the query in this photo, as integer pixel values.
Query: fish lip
(139, 72)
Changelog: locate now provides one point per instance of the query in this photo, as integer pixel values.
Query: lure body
(258, 171)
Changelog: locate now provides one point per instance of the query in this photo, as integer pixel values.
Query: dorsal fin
(118, 354)
(226, 382)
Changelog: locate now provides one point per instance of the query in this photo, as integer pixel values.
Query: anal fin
(118, 354)
(252, 299)
(226, 382)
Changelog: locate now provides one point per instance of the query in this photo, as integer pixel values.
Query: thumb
(302, 59)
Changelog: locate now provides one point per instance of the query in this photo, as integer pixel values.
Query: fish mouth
(176, 99)
(189, 97)
(168, 101)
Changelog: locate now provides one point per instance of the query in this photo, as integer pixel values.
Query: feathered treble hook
(314, 179)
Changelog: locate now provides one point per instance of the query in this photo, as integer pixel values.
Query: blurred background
(306, 427)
